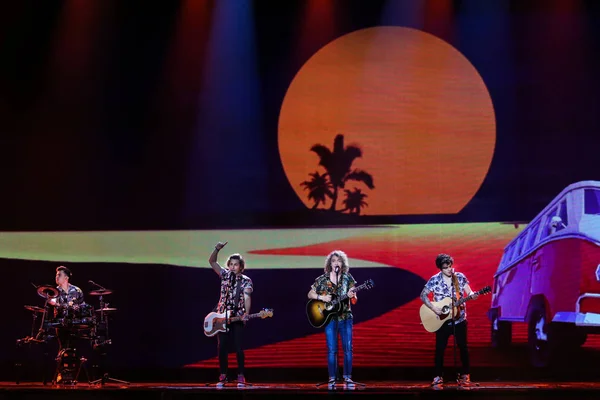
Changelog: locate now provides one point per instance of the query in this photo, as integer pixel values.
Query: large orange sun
(413, 104)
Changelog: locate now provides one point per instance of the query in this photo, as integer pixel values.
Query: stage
(157, 390)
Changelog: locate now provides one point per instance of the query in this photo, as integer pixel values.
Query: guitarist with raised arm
(444, 284)
(334, 283)
(236, 289)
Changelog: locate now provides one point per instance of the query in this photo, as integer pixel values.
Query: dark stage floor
(496, 390)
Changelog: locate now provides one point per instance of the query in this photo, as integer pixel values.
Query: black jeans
(441, 342)
(235, 336)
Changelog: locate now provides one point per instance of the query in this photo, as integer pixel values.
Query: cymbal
(106, 309)
(100, 292)
(47, 292)
(34, 309)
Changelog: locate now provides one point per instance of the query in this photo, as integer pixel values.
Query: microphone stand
(349, 300)
(228, 304)
(453, 319)
(336, 377)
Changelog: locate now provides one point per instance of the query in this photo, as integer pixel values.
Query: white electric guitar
(215, 322)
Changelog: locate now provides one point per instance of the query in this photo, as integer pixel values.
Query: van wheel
(539, 338)
(501, 331)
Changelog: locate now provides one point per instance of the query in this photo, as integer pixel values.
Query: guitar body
(214, 323)
(319, 313)
(431, 321)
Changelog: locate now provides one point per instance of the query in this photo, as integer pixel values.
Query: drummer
(70, 297)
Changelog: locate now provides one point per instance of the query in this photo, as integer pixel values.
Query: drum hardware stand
(106, 378)
(68, 359)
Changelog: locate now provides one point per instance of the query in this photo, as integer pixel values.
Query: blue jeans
(344, 328)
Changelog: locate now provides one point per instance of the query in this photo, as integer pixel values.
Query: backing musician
(69, 298)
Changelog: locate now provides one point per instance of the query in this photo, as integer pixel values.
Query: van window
(564, 216)
(532, 234)
(548, 230)
(591, 198)
(519, 246)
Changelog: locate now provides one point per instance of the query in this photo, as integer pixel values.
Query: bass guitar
(432, 322)
(319, 312)
(215, 322)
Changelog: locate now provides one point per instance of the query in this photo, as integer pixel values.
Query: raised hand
(220, 245)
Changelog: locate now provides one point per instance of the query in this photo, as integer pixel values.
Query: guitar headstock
(266, 312)
(485, 290)
(368, 284)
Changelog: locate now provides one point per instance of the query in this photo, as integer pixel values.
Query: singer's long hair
(442, 259)
(237, 256)
(342, 256)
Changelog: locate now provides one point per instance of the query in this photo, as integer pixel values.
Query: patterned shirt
(323, 286)
(228, 286)
(440, 290)
(72, 297)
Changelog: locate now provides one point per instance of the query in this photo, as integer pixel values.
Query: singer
(448, 283)
(236, 289)
(336, 282)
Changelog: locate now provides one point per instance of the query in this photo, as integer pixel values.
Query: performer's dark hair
(238, 257)
(442, 259)
(66, 270)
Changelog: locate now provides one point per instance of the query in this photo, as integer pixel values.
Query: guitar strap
(238, 295)
(459, 295)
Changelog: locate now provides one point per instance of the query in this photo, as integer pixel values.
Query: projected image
(283, 264)
(387, 121)
(549, 276)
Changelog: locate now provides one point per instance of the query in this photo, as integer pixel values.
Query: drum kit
(68, 322)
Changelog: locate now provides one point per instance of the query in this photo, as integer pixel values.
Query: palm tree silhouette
(318, 188)
(338, 164)
(355, 200)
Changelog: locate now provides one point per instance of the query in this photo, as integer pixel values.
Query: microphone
(95, 284)
(337, 269)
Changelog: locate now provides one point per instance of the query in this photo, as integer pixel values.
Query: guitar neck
(465, 299)
(235, 319)
(345, 296)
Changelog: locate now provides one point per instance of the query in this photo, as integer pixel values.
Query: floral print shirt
(323, 286)
(66, 299)
(229, 284)
(440, 290)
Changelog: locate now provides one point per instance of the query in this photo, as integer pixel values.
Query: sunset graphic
(415, 107)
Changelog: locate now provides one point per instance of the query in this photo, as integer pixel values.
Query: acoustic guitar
(319, 313)
(432, 322)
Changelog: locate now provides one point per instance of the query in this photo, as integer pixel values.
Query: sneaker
(464, 380)
(350, 384)
(241, 381)
(437, 383)
(331, 383)
(222, 380)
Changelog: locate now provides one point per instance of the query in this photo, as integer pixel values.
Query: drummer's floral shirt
(72, 297)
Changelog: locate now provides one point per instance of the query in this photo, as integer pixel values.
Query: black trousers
(441, 342)
(226, 340)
